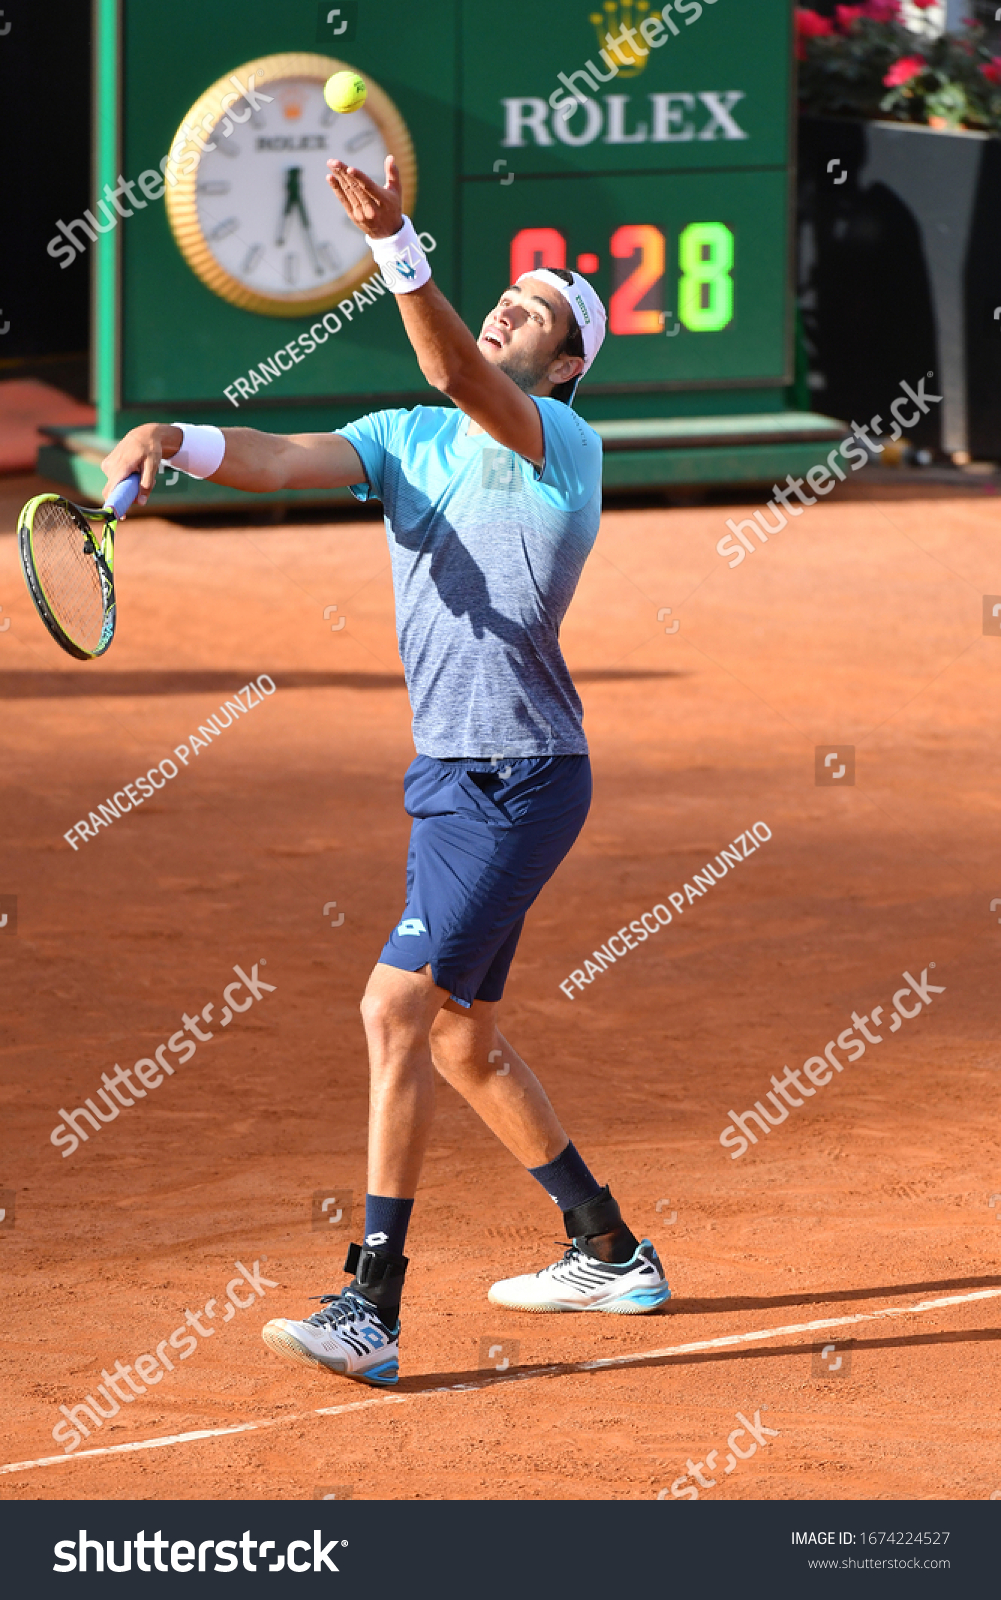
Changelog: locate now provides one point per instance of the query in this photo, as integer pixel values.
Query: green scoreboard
(650, 149)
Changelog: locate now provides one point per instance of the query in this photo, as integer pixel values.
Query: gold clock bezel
(182, 196)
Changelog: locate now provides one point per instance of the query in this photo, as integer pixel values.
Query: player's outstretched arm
(451, 361)
(446, 350)
(261, 463)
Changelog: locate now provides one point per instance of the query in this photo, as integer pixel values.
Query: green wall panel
(473, 84)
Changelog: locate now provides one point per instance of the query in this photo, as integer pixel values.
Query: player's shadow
(623, 674)
(902, 1341)
(90, 683)
(818, 1297)
(95, 682)
(477, 1378)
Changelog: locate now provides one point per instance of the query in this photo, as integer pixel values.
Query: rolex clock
(246, 191)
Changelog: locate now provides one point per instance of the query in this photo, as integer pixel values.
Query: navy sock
(386, 1223)
(567, 1180)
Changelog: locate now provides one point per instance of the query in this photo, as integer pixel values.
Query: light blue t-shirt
(487, 552)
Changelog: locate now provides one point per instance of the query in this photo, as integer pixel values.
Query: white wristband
(202, 449)
(401, 260)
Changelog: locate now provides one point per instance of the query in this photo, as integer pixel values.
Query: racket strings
(62, 547)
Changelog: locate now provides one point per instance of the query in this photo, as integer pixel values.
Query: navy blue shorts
(486, 839)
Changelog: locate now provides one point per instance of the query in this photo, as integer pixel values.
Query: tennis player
(492, 507)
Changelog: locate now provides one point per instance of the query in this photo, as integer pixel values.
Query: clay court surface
(860, 624)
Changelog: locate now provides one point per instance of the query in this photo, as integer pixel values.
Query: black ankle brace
(378, 1275)
(600, 1214)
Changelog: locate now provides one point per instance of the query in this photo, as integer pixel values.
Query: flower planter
(900, 274)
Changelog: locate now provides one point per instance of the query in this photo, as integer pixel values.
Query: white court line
(562, 1367)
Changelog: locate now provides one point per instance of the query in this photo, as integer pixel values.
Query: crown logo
(292, 104)
(611, 19)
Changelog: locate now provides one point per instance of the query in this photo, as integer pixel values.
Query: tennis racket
(68, 560)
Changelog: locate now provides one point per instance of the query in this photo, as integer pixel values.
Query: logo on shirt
(412, 925)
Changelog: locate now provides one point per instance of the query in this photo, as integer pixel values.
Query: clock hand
(310, 242)
(296, 202)
(291, 189)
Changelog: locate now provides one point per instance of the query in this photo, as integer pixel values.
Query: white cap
(585, 305)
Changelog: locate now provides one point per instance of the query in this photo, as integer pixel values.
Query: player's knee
(448, 1062)
(454, 1049)
(386, 1017)
(376, 1012)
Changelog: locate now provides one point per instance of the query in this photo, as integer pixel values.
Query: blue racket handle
(122, 496)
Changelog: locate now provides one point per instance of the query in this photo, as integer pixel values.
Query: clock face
(254, 216)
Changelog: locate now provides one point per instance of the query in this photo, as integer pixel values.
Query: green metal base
(666, 451)
(642, 452)
(745, 464)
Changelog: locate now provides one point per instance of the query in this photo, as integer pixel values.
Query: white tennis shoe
(346, 1336)
(580, 1283)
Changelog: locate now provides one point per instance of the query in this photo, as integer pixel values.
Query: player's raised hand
(377, 211)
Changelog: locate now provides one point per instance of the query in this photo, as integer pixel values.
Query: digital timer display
(693, 267)
(639, 253)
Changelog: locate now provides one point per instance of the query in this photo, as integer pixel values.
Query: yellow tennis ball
(345, 91)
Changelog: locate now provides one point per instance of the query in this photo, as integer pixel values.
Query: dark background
(45, 135)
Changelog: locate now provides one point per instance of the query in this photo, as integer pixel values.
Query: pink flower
(811, 25)
(992, 71)
(904, 70)
(883, 10)
(846, 15)
(923, 5)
